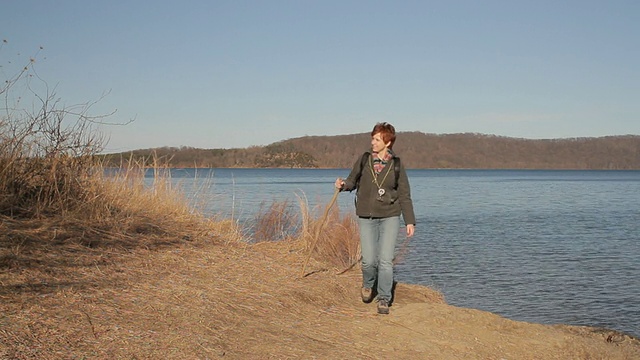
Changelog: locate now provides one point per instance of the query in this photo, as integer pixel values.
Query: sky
(235, 74)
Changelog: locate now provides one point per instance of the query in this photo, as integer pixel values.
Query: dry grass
(61, 217)
(277, 222)
(189, 300)
(338, 241)
(128, 270)
(332, 240)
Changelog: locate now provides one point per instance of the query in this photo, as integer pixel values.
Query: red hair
(386, 131)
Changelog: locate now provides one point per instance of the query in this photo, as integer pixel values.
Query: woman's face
(377, 144)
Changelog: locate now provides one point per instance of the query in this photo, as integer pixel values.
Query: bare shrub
(277, 222)
(46, 148)
(49, 169)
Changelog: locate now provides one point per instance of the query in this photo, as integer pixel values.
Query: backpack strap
(396, 169)
(363, 163)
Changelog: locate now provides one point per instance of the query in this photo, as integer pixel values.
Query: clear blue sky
(226, 74)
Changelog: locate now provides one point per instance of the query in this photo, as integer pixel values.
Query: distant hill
(417, 150)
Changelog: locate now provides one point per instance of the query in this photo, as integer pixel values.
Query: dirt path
(250, 302)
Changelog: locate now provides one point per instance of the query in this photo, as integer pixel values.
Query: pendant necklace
(381, 191)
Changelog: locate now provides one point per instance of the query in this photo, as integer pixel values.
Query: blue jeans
(378, 243)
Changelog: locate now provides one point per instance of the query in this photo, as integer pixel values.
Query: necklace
(381, 191)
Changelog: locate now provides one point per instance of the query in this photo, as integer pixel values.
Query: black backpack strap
(363, 164)
(396, 168)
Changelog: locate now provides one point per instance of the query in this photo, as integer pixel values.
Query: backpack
(363, 163)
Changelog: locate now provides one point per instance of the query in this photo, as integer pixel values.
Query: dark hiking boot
(383, 306)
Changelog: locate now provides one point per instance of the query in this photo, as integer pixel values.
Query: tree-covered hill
(417, 150)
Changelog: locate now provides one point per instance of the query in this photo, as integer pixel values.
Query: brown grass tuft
(275, 223)
(334, 240)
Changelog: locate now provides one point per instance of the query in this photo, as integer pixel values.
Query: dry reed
(277, 222)
(334, 240)
(334, 243)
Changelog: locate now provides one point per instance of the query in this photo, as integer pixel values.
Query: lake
(544, 246)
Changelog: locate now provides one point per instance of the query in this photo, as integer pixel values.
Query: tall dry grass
(51, 180)
(334, 240)
(106, 208)
(276, 222)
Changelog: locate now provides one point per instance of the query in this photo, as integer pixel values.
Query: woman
(382, 195)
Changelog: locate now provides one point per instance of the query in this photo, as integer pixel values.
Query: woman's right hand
(339, 183)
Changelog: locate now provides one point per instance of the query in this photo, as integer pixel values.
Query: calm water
(541, 246)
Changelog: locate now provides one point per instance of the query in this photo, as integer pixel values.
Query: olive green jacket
(397, 196)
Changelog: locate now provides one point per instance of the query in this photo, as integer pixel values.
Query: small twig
(314, 272)
(93, 329)
(97, 267)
